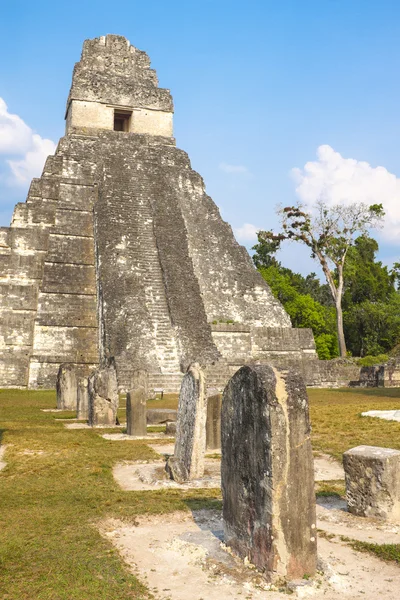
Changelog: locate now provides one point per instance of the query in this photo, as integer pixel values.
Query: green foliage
(370, 361)
(371, 303)
(302, 308)
(365, 277)
(326, 344)
(384, 551)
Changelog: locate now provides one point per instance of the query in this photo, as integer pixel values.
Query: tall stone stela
(267, 472)
(119, 252)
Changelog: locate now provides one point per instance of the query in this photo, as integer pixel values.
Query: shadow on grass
(378, 392)
(2, 431)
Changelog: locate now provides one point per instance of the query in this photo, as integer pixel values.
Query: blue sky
(258, 86)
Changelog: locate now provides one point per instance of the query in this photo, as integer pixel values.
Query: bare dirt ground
(2, 462)
(180, 557)
(142, 476)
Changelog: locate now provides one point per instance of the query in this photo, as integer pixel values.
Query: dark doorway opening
(122, 120)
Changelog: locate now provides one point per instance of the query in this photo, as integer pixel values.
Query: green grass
(390, 552)
(56, 488)
(338, 426)
(330, 488)
(167, 401)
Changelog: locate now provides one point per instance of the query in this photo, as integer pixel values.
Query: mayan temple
(119, 252)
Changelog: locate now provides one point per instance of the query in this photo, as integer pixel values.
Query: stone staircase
(170, 383)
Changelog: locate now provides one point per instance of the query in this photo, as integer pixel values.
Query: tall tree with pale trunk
(329, 232)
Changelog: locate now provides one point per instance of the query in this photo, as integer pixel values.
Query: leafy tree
(371, 304)
(373, 328)
(329, 232)
(303, 310)
(365, 277)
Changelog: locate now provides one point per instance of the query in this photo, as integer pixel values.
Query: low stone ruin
(190, 442)
(103, 395)
(267, 472)
(213, 424)
(82, 411)
(159, 416)
(66, 387)
(136, 404)
(373, 482)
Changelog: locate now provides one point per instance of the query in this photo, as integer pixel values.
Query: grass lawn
(58, 485)
(338, 426)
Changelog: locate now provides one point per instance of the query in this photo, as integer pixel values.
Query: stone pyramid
(118, 251)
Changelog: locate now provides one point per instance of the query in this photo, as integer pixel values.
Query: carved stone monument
(213, 425)
(190, 441)
(267, 472)
(83, 398)
(103, 395)
(136, 404)
(66, 387)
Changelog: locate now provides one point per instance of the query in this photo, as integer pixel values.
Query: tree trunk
(339, 312)
(340, 332)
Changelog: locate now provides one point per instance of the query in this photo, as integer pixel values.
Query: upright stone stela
(267, 472)
(119, 252)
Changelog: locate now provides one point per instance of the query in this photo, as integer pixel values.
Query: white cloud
(18, 139)
(246, 233)
(336, 180)
(239, 169)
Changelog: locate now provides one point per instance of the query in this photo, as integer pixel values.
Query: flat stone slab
(140, 476)
(387, 415)
(159, 416)
(120, 437)
(150, 476)
(56, 410)
(2, 462)
(87, 426)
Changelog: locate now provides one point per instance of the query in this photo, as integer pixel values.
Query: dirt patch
(2, 462)
(134, 476)
(141, 476)
(87, 426)
(334, 519)
(181, 557)
(327, 468)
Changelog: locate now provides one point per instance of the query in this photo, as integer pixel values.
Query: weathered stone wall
(231, 288)
(123, 252)
(335, 373)
(22, 254)
(113, 74)
(51, 254)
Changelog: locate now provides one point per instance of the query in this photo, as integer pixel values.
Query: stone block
(103, 395)
(267, 472)
(158, 416)
(190, 441)
(170, 428)
(66, 387)
(213, 424)
(136, 404)
(373, 482)
(83, 398)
